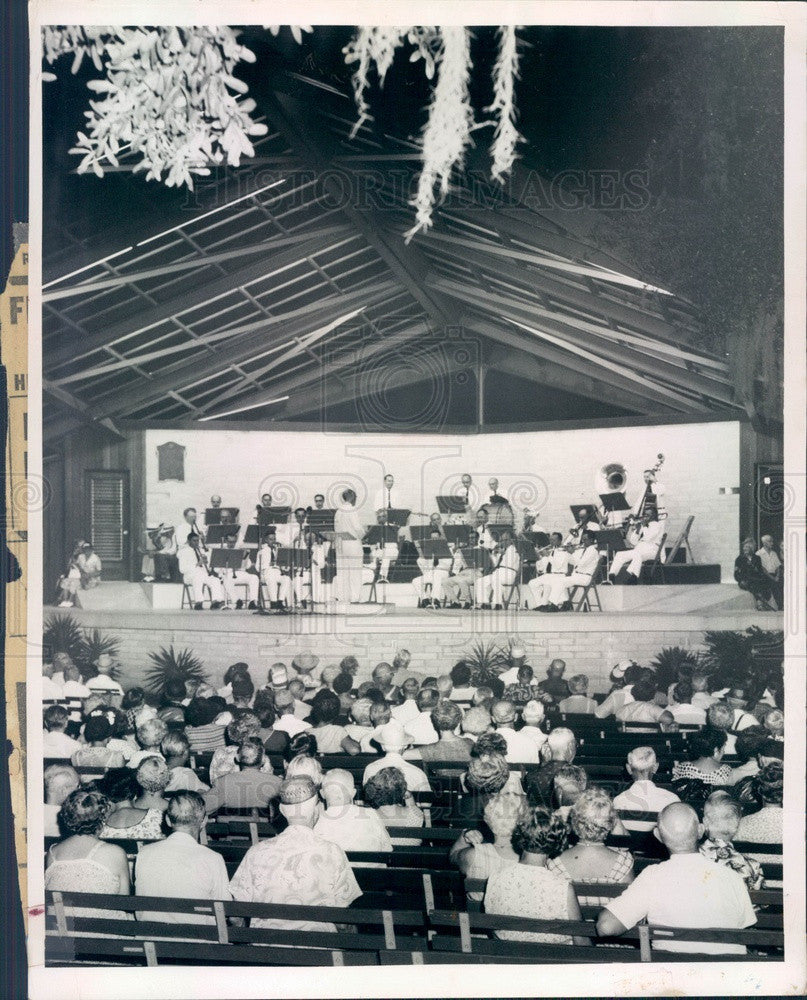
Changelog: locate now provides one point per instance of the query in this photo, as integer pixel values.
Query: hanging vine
(169, 98)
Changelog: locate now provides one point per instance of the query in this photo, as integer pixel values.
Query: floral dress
(518, 890)
(148, 828)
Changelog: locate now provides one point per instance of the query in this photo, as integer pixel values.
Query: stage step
(112, 595)
(675, 599)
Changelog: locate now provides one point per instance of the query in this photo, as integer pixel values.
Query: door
(107, 501)
(769, 501)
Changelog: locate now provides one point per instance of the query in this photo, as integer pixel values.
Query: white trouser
(541, 587)
(489, 588)
(198, 580)
(633, 558)
(349, 562)
(321, 593)
(433, 575)
(230, 581)
(562, 586)
(302, 587)
(278, 585)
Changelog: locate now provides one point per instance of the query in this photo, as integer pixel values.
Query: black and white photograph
(421, 507)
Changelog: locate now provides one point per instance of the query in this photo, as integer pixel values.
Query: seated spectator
(475, 723)
(393, 741)
(720, 715)
(324, 713)
(749, 744)
(349, 665)
(483, 698)
(82, 862)
(55, 741)
(179, 867)
(380, 715)
(593, 818)
(623, 676)
(521, 691)
(203, 733)
(244, 726)
(297, 866)
(305, 664)
(97, 733)
(737, 700)
(682, 708)
(298, 691)
(386, 792)
(249, 787)
(360, 726)
(705, 750)
(765, 826)
(103, 682)
(73, 686)
(568, 785)
(60, 781)
(529, 889)
(532, 716)
(558, 751)
(122, 739)
(701, 696)
(554, 689)
(516, 660)
(239, 669)
(242, 694)
(174, 693)
(176, 751)
(287, 722)
(263, 705)
(342, 822)
(134, 705)
(343, 688)
(578, 702)
(643, 795)
(300, 745)
(52, 687)
(688, 891)
(488, 773)
(774, 723)
(521, 749)
(328, 676)
(140, 817)
(400, 664)
(444, 686)
(305, 765)
(382, 678)
(420, 730)
(721, 820)
(643, 708)
(408, 710)
(150, 735)
(479, 860)
(446, 718)
(462, 689)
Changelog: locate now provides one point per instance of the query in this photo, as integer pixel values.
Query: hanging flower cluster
(168, 96)
(447, 133)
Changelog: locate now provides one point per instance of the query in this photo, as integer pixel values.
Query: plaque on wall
(171, 461)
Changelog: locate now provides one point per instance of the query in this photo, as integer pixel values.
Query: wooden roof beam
(78, 410)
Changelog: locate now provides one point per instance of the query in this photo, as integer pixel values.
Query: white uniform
(278, 585)
(387, 499)
(197, 577)
(231, 579)
(321, 593)
(584, 562)
(431, 574)
(349, 555)
(383, 554)
(489, 587)
(555, 563)
(646, 548)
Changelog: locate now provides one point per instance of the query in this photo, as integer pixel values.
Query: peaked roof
(294, 267)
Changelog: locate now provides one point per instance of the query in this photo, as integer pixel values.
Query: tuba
(611, 478)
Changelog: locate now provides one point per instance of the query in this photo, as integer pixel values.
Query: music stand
(575, 508)
(321, 522)
(458, 534)
(612, 539)
(451, 505)
(540, 539)
(420, 532)
(398, 516)
(217, 534)
(213, 515)
(614, 502)
(433, 548)
(294, 559)
(252, 536)
(380, 534)
(227, 559)
(274, 515)
(477, 558)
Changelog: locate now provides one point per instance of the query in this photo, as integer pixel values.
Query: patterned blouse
(528, 891)
(148, 828)
(687, 769)
(620, 871)
(723, 852)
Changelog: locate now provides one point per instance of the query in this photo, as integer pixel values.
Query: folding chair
(589, 596)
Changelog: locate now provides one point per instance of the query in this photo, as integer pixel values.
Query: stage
(590, 642)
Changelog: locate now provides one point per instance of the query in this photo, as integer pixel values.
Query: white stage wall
(547, 470)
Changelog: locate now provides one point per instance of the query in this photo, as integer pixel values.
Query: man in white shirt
(643, 795)
(187, 526)
(521, 749)
(737, 700)
(682, 708)
(393, 741)
(483, 535)
(643, 708)
(489, 588)
(646, 548)
(352, 827)
(104, 683)
(51, 689)
(555, 561)
(89, 565)
(622, 675)
(532, 715)
(518, 657)
(55, 741)
(277, 583)
(73, 685)
(387, 497)
(584, 563)
(179, 867)
(688, 891)
(60, 781)
(701, 698)
(287, 722)
(408, 710)
(196, 574)
(652, 495)
(420, 730)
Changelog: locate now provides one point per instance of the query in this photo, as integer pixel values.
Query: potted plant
(170, 664)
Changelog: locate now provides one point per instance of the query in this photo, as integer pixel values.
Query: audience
(342, 822)
(521, 749)
(682, 708)
(765, 826)
(554, 688)
(705, 749)
(446, 718)
(568, 785)
(140, 816)
(407, 710)
(96, 752)
(643, 707)
(532, 715)
(249, 787)
(578, 702)
(477, 859)
(643, 795)
(150, 734)
(558, 751)
(55, 741)
(393, 740)
(623, 677)
(325, 710)
(386, 792)
(721, 820)
(60, 781)
(475, 723)
(462, 689)
(175, 748)
(420, 729)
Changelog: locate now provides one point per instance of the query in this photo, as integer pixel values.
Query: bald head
(678, 828)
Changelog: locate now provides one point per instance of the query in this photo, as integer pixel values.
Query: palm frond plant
(486, 660)
(62, 634)
(669, 662)
(728, 656)
(169, 665)
(93, 644)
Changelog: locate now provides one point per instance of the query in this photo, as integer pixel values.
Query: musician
(433, 571)
(468, 496)
(495, 496)
(349, 552)
(322, 569)
(188, 526)
(294, 535)
(387, 497)
(247, 575)
(319, 501)
(382, 554)
(196, 572)
(506, 566)
(483, 535)
(651, 495)
(583, 564)
(215, 502)
(586, 521)
(266, 500)
(278, 584)
(555, 560)
(459, 587)
(645, 541)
